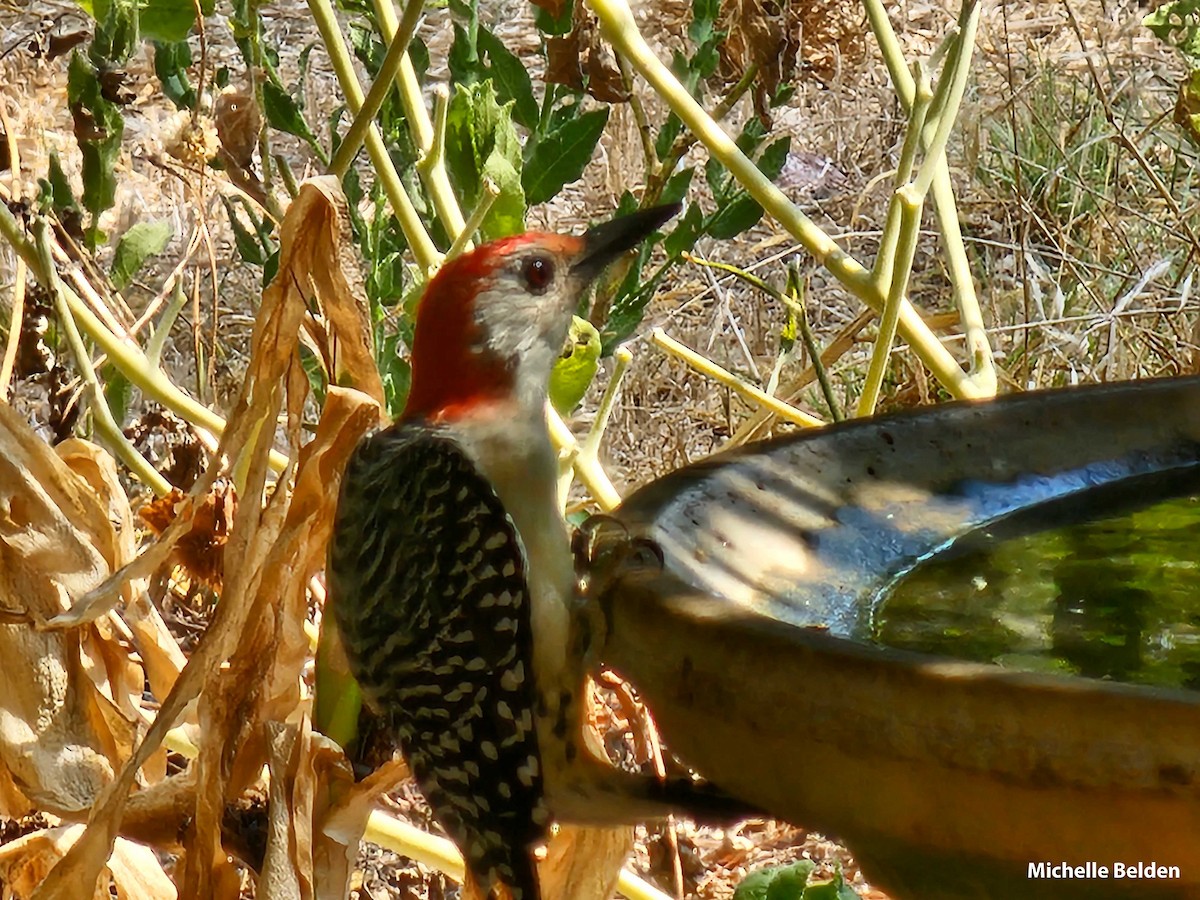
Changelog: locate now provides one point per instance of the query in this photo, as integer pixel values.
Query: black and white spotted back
(427, 584)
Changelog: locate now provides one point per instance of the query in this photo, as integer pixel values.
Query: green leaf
(705, 60)
(463, 58)
(837, 889)
(57, 189)
(561, 155)
(734, 217)
(771, 162)
(138, 244)
(118, 392)
(171, 20)
(677, 186)
(99, 127)
(250, 245)
(481, 143)
(704, 19)
(117, 33)
(671, 129)
(683, 238)
(573, 372)
(779, 883)
(318, 381)
(171, 61)
(283, 112)
(719, 180)
(548, 24)
(396, 375)
(1178, 24)
(630, 301)
(512, 80)
(418, 55)
(1187, 106)
(338, 699)
(737, 211)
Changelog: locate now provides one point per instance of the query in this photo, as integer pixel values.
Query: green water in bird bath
(1116, 597)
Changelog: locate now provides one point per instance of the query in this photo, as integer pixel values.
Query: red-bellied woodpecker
(450, 571)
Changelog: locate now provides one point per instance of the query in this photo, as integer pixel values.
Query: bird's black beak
(604, 243)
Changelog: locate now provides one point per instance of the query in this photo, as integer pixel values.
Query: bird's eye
(537, 272)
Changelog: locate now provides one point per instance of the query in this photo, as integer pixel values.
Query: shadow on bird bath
(1027, 555)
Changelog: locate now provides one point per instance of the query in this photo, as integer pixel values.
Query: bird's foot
(604, 550)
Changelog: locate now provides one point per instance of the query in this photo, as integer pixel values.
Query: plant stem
(643, 122)
(126, 356)
(620, 29)
(436, 179)
(15, 325)
(426, 254)
(587, 469)
(982, 366)
(796, 306)
(438, 853)
(810, 341)
(105, 423)
(910, 228)
(755, 395)
(388, 70)
(684, 142)
(587, 455)
(486, 198)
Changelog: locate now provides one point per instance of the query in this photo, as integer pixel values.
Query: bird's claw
(604, 549)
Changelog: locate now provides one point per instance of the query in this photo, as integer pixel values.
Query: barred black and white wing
(427, 581)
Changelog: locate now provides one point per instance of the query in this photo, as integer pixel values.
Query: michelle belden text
(1133, 870)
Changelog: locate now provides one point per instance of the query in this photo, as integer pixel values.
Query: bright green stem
(885, 260)
(426, 253)
(622, 357)
(983, 373)
(388, 70)
(800, 311)
(587, 468)
(910, 226)
(438, 853)
(162, 330)
(721, 375)
(435, 178)
(946, 102)
(105, 423)
(486, 198)
(620, 29)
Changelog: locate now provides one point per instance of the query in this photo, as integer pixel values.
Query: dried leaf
(274, 341)
(134, 871)
(604, 77)
(238, 125)
(68, 716)
(778, 37)
(300, 552)
(564, 63)
(96, 467)
(282, 868)
(340, 813)
(201, 551)
(322, 266)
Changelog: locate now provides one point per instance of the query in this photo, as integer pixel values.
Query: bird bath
(966, 640)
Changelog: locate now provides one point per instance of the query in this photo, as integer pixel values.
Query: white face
(525, 313)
